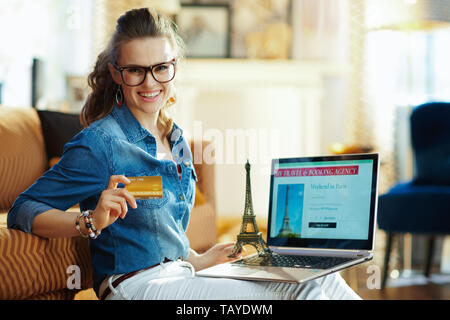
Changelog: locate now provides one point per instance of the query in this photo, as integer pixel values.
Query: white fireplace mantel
(255, 73)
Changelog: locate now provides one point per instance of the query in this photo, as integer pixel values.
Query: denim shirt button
(181, 197)
(187, 163)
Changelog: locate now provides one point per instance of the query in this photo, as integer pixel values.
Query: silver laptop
(322, 214)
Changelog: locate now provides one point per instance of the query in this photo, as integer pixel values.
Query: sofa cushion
(201, 231)
(31, 266)
(63, 294)
(25, 159)
(3, 215)
(58, 128)
(199, 198)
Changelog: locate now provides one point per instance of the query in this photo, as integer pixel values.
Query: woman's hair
(134, 24)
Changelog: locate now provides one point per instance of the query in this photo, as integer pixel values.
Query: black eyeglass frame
(146, 69)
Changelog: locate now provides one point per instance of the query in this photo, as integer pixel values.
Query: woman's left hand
(215, 255)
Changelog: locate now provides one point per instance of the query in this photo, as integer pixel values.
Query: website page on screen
(322, 200)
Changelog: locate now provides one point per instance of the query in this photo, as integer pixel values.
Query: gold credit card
(145, 187)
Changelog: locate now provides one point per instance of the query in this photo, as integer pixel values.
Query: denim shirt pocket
(153, 203)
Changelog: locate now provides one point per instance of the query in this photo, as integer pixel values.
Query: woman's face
(150, 96)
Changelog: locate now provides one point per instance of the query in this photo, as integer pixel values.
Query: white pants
(176, 281)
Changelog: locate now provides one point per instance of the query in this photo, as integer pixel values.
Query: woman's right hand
(113, 203)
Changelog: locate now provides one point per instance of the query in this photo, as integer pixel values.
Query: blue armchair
(422, 205)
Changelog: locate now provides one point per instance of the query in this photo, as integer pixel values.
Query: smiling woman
(146, 253)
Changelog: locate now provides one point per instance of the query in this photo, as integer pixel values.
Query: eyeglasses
(135, 75)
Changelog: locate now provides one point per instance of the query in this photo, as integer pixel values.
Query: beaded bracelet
(77, 226)
(92, 230)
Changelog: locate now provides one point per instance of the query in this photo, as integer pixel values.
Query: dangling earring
(119, 96)
(171, 101)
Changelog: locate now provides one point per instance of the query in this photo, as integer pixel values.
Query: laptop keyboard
(276, 260)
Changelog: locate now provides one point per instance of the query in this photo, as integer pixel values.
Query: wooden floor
(357, 278)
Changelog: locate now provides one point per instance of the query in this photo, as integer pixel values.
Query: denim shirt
(118, 145)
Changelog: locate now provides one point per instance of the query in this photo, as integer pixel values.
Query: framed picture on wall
(262, 29)
(205, 28)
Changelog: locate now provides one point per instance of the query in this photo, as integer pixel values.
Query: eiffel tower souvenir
(250, 234)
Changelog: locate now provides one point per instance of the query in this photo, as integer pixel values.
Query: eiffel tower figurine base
(253, 239)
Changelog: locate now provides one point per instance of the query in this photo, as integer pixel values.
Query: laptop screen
(323, 202)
